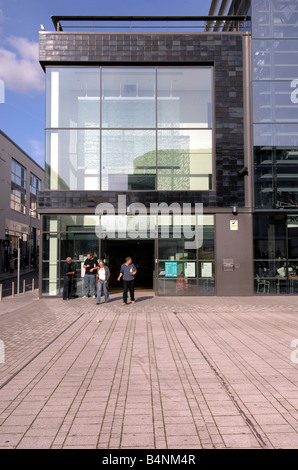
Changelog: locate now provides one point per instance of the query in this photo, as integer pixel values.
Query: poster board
(171, 269)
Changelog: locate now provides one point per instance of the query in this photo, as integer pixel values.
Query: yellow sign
(233, 224)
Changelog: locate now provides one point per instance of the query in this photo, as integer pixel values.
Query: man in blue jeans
(128, 271)
(90, 266)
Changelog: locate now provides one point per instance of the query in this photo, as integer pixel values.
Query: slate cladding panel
(223, 50)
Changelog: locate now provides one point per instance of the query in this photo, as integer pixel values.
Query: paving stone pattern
(163, 373)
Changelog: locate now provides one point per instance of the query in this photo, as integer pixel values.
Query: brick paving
(163, 373)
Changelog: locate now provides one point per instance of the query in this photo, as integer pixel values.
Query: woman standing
(102, 283)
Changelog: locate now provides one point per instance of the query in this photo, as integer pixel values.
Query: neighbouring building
(21, 178)
(201, 114)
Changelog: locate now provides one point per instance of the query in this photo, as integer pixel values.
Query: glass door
(77, 245)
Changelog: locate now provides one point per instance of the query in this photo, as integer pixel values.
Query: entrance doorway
(114, 253)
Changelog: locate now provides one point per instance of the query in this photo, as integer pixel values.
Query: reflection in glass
(72, 159)
(184, 160)
(274, 102)
(79, 223)
(276, 177)
(283, 135)
(187, 272)
(274, 18)
(184, 97)
(128, 97)
(50, 261)
(73, 97)
(276, 254)
(275, 60)
(79, 145)
(18, 194)
(50, 223)
(128, 159)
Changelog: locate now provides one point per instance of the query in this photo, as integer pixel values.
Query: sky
(22, 108)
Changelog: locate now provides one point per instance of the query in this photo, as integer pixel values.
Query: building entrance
(114, 253)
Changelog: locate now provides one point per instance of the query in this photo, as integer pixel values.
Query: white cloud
(19, 66)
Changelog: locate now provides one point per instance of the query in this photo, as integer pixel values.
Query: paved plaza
(163, 373)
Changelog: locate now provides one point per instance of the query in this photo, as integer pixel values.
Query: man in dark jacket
(67, 279)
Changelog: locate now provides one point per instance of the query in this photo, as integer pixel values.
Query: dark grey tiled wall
(224, 51)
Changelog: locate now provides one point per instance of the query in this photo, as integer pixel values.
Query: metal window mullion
(156, 133)
(100, 130)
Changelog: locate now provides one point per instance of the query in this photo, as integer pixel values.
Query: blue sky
(22, 114)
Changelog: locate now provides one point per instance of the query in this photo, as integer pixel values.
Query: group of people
(97, 273)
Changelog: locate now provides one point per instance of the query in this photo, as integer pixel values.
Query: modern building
(172, 140)
(21, 178)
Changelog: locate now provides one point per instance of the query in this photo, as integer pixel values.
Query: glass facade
(186, 272)
(179, 271)
(276, 177)
(275, 119)
(129, 128)
(275, 98)
(276, 254)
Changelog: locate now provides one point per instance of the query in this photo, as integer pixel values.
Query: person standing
(90, 266)
(128, 271)
(102, 282)
(11, 265)
(67, 279)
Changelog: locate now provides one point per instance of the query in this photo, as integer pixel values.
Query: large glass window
(184, 160)
(128, 98)
(129, 128)
(184, 97)
(184, 271)
(128, 159)
(63, 236)
(276, 177)
(275, 101)
(275, 60)
(35, 185)
(72, 159)
(18, 187)
(276, 254)
(274, 18)
(72, 97)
